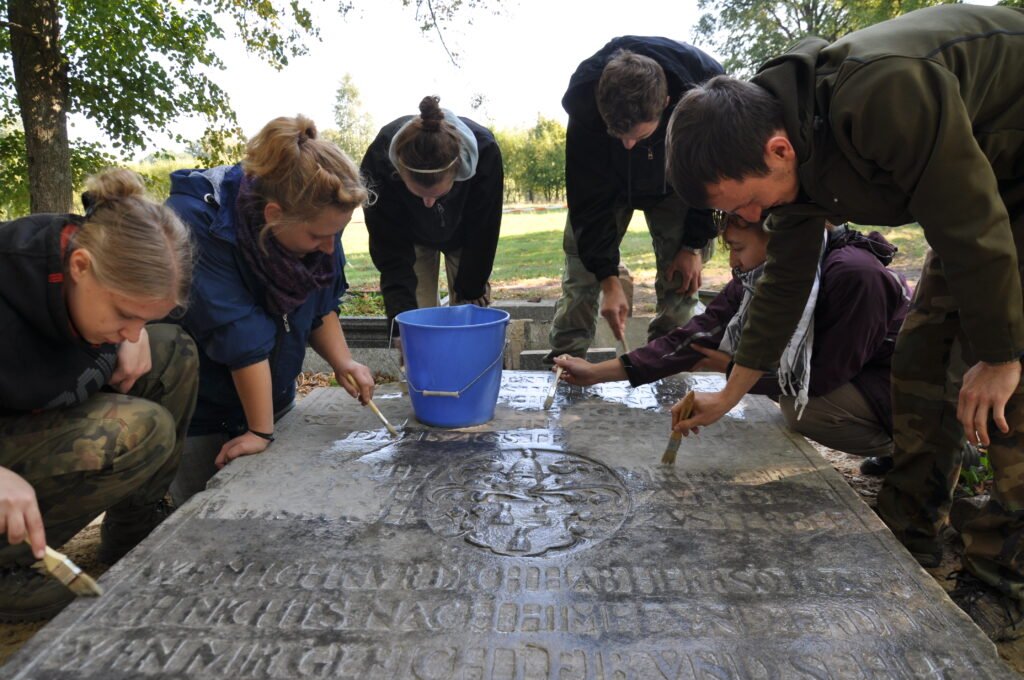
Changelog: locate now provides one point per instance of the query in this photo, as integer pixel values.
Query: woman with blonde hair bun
(94, 403)
(268, 281)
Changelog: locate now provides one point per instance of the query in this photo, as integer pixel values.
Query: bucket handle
(458, 393)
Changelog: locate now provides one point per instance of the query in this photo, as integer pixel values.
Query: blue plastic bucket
(453, 358)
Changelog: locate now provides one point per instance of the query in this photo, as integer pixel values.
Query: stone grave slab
(543, 545)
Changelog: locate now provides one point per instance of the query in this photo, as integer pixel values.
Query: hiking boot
(999, 616)
(26, 595)
(120, 534)
(970, 456)
(927, 550)
(964, 510)
(876, 466)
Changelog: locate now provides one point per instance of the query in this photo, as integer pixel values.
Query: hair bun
(431, 113)
(306, 129)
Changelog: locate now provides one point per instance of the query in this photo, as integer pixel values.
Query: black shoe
(970, 456)
(119, 534)
(999, 616)
(927, 550)
(876, 466)
(26, 595)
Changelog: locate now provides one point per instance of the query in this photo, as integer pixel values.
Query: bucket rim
(504, 318)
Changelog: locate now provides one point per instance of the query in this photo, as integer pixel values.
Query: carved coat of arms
(526, 502)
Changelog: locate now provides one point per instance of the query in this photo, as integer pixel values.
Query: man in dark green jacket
(916, 119)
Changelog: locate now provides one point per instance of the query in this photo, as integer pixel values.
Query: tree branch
(19, 27)
(437, 27)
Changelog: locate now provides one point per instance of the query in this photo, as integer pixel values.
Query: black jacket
(601, 174)
(467, 218)
(44, 364)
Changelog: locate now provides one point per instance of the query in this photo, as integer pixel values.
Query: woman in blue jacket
(268, 280)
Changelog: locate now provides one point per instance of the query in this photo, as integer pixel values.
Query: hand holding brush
(676, 438)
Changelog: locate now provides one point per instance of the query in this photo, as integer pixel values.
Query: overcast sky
(519, 60)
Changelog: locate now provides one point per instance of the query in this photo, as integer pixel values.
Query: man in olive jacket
(916, 119)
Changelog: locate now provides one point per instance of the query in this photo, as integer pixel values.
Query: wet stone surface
(542, 545)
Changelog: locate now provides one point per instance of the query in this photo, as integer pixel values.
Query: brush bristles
(669, 457)
(85, 586)
(548, 401)
(60, 567)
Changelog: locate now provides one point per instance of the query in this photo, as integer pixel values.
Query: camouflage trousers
(931, 357)
(576, 312)
(113, 452)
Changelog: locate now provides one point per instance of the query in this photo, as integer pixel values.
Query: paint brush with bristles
(676, 438)
(373, 407)
(59, 566)
(550, 399)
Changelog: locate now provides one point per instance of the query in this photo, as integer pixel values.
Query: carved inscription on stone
(527, 501)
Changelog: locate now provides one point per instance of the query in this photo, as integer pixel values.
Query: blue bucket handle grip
(458, 393)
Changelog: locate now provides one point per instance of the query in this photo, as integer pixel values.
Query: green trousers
(576, 312)
(114, 453)
(931, 356)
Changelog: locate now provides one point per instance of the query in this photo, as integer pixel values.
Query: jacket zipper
(287, 326)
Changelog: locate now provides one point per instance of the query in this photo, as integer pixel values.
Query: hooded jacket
(44, 364)
(915, 119)
(227, 314)
(861, 306)
(602, 175)
(468, 217)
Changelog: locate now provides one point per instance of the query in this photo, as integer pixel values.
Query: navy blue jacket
(602, 175)
(227, 314)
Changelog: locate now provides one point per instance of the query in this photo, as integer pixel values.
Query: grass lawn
(528, 263)
(530, 249)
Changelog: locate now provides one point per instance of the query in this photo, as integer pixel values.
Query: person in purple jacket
(833, 380)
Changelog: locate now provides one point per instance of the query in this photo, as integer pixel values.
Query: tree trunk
(41, 82)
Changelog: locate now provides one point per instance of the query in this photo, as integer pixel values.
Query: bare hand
(688, 265)
(19, 513)
(576, 371)
(614, 306)
(708, 408)
(134, 360)
(714, 360)
(363, 377)
(243, 445)
(986, 390)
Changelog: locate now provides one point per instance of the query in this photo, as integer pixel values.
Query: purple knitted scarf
(288, 278)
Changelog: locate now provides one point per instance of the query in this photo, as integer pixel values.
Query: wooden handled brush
(60, 567)
(550, 399)
(676, 438)
(373, 407)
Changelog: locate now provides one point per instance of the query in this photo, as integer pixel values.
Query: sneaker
(876, 466)
(26, 595)
(999, 616)
(119, 535)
